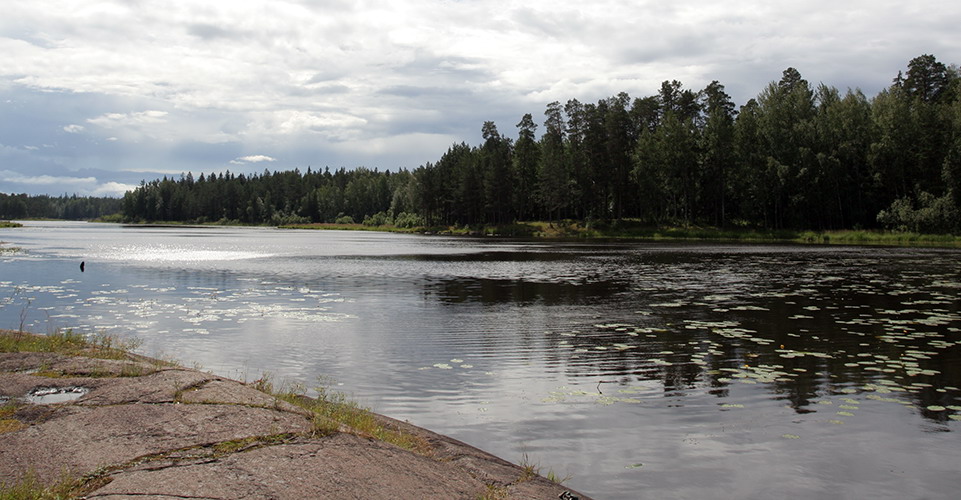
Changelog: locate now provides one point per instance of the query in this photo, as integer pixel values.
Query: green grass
(627, 229)
(7, 223)
(101, 345)
(7, 422)
(529, 471)
(30, 487)
(331, 409)
(352, 227)
(495, 492)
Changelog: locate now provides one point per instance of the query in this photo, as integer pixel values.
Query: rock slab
(136, 428)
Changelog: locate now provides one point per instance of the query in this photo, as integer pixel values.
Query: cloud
(181, 85)
(42, 180)
(60, 184)
(114, 120)
(252, 159)
(114, 189)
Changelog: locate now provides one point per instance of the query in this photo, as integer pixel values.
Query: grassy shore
(633, 230)
(629, 230)
(7, 223)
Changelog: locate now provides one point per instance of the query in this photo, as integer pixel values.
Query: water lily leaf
(936, 408)
(790, 436)
(845, 414)
(634, 466)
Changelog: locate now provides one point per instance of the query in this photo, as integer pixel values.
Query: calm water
(648, 370)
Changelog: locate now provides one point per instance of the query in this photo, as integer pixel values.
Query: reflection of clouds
(178, 254)
(646, 354)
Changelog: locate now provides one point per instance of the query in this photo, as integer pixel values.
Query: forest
(798, 156)
(22, 206)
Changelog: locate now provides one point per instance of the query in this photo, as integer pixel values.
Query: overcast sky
(97, 95)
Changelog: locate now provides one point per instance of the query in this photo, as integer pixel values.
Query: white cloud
(114, 120)
(252, 159)
(60, 184)
(43, 180)
(115, 189)
(191, 78)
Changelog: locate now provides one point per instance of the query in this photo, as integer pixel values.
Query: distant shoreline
(577, 231)
(627, 230)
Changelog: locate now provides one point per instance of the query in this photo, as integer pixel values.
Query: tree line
(22, 206)
(798, 156)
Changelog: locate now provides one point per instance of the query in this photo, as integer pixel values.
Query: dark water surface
(644, 370)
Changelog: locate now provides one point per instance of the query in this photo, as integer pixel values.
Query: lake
(641, 370)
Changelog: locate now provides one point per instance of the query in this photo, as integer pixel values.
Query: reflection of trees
(503, 291)
(832, 349)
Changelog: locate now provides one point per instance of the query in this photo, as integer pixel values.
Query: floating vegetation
(790, 436)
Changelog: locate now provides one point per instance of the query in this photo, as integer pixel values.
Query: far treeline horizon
(795, 157)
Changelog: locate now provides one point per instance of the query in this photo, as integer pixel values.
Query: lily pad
(790, 436)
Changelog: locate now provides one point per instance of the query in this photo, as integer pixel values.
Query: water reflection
(566, 291)
(705, 359)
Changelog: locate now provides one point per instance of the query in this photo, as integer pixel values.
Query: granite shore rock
(137, 427)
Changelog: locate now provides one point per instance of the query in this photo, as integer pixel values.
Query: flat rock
(152, 431)
(82, 439)
(77, 365)
(335, 467)
(225, 391)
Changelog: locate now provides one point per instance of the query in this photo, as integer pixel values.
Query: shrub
(378, 219)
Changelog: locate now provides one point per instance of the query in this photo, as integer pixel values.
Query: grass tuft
(331, 409)
(495, 492)
(100, 345)
(528, 470)
(30, 487)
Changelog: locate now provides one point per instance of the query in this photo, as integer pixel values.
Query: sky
(96, 96)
